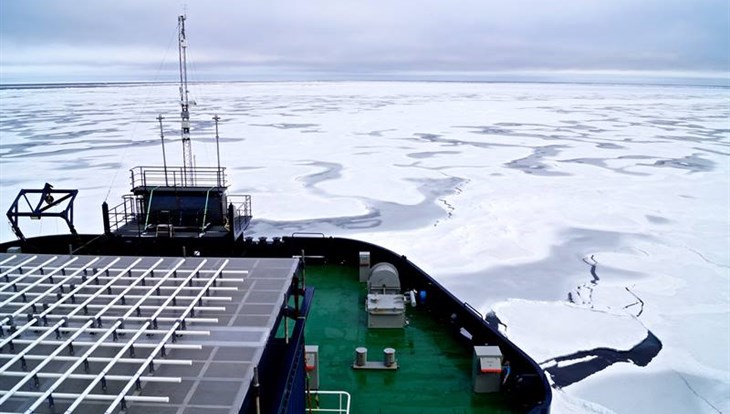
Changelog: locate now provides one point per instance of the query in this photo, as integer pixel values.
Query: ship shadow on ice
(549, 278)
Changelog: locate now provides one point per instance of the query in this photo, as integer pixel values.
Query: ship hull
(530, 390)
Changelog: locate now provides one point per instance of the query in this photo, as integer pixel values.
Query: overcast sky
(92, 40)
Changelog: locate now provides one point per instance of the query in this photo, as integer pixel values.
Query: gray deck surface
(212, 379)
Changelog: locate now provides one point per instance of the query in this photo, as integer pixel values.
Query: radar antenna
(184, 104)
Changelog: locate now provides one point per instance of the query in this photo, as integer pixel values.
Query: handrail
(342, 409)
(242, 212)
(145, 176)
(307, 233)
(473, 309)
(125, 212)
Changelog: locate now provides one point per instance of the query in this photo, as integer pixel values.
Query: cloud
(364, 37)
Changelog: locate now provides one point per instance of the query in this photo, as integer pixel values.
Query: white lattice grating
(105, 333)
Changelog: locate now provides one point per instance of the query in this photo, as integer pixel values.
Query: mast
(216, 118)
(184, 104)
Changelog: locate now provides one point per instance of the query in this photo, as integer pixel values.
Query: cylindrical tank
(361, 356)
(389, 357)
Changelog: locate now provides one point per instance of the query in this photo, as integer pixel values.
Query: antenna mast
(216, 118)
(184, 105)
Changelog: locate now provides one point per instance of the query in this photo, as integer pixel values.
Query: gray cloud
(351, 38)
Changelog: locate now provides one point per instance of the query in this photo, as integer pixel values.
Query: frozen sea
(590, 223)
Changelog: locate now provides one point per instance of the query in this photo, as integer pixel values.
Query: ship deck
(135, 229)
(434, 374)
(122, 316)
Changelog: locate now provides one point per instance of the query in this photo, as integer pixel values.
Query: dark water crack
(638, 302)
(586, 287)
(450, 208)
(595, 360)
(582, 364)
(582, 298)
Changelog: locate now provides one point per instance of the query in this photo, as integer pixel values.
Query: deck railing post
(233, 226)
(105, 218)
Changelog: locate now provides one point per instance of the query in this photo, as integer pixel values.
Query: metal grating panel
(145, 334)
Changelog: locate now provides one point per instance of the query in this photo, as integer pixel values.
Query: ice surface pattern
(520, 198)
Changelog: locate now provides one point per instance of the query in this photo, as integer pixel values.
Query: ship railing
(242, 212)
(327, 403)
(178, 177)
(128, 212)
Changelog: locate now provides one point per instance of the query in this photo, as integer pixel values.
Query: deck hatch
(102, 333)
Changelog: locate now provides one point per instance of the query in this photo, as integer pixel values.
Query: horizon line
(721, 82)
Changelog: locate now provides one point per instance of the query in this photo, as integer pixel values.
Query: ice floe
(589, 221)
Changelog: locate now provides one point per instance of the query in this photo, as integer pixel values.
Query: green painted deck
(434, 375)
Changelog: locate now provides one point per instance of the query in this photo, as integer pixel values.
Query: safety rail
(133, 216)
(242, 212)
(307, 234)
(178, 177)
(343, 402)
(241, 205)
(473, 309)
(127, 212)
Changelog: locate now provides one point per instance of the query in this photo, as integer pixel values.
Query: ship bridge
(179, 202)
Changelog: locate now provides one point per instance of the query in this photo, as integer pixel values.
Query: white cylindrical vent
(389, 357)
(361, 356)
